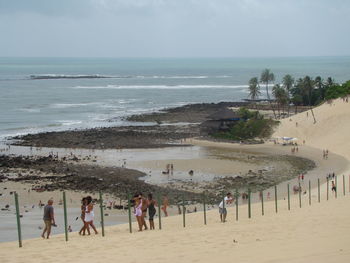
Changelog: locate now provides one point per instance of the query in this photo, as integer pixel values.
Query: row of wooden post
(184, 206)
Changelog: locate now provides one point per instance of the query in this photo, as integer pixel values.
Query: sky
(174, 28)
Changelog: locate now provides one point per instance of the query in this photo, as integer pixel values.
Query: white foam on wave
(162, 87)
(29, 110)
(172, 77)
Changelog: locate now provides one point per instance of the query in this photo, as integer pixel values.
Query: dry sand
(317, 233)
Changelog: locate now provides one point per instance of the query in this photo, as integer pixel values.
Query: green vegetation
(252, 125)
(301, 92)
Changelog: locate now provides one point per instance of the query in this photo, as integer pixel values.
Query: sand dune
(331, 130)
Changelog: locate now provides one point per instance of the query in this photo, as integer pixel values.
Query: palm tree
(308, 87)
(254, 89)
(266, 77)
(320, 86)
(288, 83)
(281, 96)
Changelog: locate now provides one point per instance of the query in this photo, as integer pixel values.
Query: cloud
(174, 27)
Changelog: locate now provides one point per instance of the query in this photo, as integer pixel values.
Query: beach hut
(222, 120)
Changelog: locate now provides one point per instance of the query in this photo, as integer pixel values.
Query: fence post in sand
(102, 218)
(249, 204)
(276, 207)
(288, 196)
(344, 184)
(129, 213)
(336, 186)
(183, 212)
(65, 216)
(204, 210)
(18, 221)
(318, 187)
(309, 192)
(262, 202)
(327, 188)
(237, 196)
(299, 195)
(159, 212)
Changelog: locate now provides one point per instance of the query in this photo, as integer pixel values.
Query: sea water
(50, 94)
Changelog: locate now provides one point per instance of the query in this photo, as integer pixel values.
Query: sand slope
(317, 233)
(331, 130)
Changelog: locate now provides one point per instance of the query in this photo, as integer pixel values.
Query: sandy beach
(316, 233)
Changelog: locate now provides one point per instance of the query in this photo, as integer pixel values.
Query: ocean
(51, 94)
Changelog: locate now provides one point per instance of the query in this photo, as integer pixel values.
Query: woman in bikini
(138, 210)
(89, 215)
(82, 216)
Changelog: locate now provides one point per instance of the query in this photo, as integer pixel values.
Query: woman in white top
(89, 215)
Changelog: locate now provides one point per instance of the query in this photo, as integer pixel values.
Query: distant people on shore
(325, 154)
(49, 219)
(169, 169)
(222, 206)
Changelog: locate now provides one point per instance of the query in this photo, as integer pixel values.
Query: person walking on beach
(49, 219)
(89, 215)
(82, 216)
(165, 205)
(138, 210)
(144, 211)
(334, 188)
(151, 210)
(222, 207)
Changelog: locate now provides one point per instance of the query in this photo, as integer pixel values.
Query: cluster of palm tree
(304, 91)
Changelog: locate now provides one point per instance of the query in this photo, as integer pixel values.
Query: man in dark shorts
(49, 219)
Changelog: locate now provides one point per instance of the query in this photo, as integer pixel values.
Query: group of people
(141, 205)
(325, 154)
(87, 216)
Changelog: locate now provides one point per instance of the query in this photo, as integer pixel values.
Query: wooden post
(299, 195)
(343, 184)
(327, 188)
(183, 211)
(18, 221)
(318, 186)
(159, 212)
(204, 210)
(237, 196)
(276, 208)
(102, 218)
(129, 212)
(288, 196)
(262, 202)
(249, 205)
(65, 216)
(309, 192)
(336, 186)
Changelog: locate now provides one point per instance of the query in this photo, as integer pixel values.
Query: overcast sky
(174, 28)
